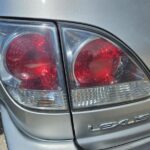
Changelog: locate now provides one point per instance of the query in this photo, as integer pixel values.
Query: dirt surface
(2, 142)
(2, 137)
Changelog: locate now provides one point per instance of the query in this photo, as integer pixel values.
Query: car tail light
(101, 70)
(31, 67)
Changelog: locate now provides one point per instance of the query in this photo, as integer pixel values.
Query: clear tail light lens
(100, 71)
(31, 67)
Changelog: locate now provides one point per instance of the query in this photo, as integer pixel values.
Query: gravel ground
(2, 137)
(2, 142)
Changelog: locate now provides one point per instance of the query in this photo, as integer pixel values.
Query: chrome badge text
(115, 124)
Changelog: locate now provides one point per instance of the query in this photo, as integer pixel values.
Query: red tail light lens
(29, 57)
(31, 68)
(101, 71)
(97, 63)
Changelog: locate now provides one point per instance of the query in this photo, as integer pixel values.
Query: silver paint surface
(43, 125)
(18, 141)
(117, 136)
(23, 142)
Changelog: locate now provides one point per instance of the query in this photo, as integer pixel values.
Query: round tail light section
(29, 58)
(97, 63)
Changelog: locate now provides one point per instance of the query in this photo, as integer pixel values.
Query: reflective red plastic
(29, 58)
(97, 63)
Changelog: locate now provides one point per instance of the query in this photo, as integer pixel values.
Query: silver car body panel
(18, 141)
(24, 142)
(44, 125)
(115, 136)
(130, 22)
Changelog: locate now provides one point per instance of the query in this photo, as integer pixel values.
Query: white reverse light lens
(98, 96)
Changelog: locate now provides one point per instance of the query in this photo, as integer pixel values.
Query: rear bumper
(143, 144)
(16, 140)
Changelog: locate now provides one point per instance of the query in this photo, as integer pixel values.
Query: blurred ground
(2, 142)
(2, 138)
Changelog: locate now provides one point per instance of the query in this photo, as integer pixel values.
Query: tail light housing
(101, 70)
(31, 68)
